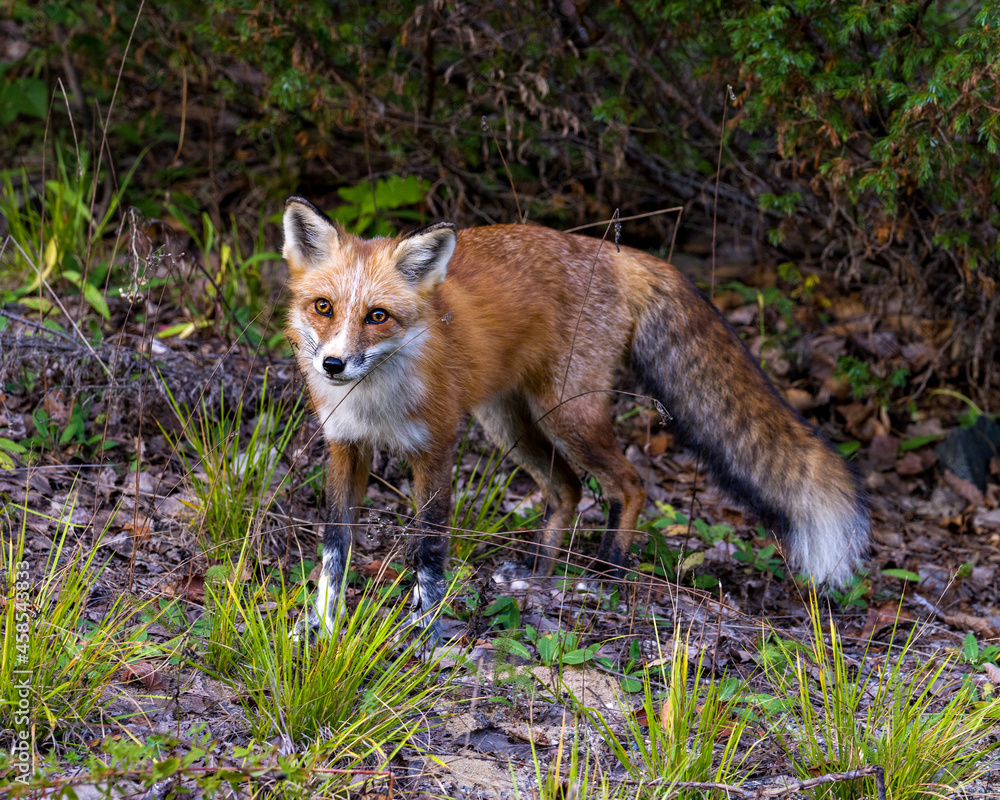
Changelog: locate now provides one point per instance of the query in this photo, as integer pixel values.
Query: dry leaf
(379, 572)
(883, 452)
(913, 463)
(667, 715)
(658, 444)
(146, 674)
(967, 490)
(964, 621)
(799, 399)
(882, 617)
(140, 526)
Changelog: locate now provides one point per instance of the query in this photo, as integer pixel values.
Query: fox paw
(427, 634)
(307, 631)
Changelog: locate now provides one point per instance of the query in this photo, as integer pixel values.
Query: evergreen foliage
(863, 136)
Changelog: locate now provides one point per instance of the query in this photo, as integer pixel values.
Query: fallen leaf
(967, 490)
(58, 407)
(799, 399)
(913, 463)
(379, 572)
(883, 452)
(964, 621)
(873, 427)
(140, 526)
(918, 355)
(145, 673)
(667, 716)
(855, 414)
(882, 617)
(527, 734)
(195, 589)
(987, 519)
(658, 444)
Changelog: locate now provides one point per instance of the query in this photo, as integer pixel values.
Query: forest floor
(130, 452)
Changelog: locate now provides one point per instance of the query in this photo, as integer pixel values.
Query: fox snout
(333, 366)
(338, 369)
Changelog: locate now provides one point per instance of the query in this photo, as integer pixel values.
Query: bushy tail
(757, 448)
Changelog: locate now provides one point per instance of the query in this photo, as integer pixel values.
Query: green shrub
(863, 134)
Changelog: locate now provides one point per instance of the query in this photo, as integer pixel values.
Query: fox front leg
(346, 478)
(427, 549)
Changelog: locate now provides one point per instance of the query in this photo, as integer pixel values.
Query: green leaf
(902, 574)
(13, 447)
(26, 96)
(96, 300)
(919, 441)
(574, 657)
(69, 274)
(547, 647)
(181, 329)
(498, 605)
(704, 582)
(692, 561)
(40, 304)
(518, 649)
(506, 610)
(166, 768)
(75, 426)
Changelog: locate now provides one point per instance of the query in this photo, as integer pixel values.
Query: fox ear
(310, 236)
(423, 255)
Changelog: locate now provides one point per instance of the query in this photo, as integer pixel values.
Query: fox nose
(333, 366)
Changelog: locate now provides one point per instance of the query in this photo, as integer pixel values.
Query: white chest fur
(380, 410)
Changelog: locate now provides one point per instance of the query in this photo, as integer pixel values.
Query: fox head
(355, 302)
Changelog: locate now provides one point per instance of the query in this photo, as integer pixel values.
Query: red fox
(526, 328)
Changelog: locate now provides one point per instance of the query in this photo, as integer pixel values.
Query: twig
(72, 127)
(510, 178)
(624, 219)
(718, 176)
(24, 321)
(250, 773)
(184, 105)
(796, 786)
(111, 105)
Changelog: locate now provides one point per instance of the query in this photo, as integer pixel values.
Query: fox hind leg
(584, 432)
(509, 424)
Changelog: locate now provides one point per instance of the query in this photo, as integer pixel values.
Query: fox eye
(377, 316)
(324, 307)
